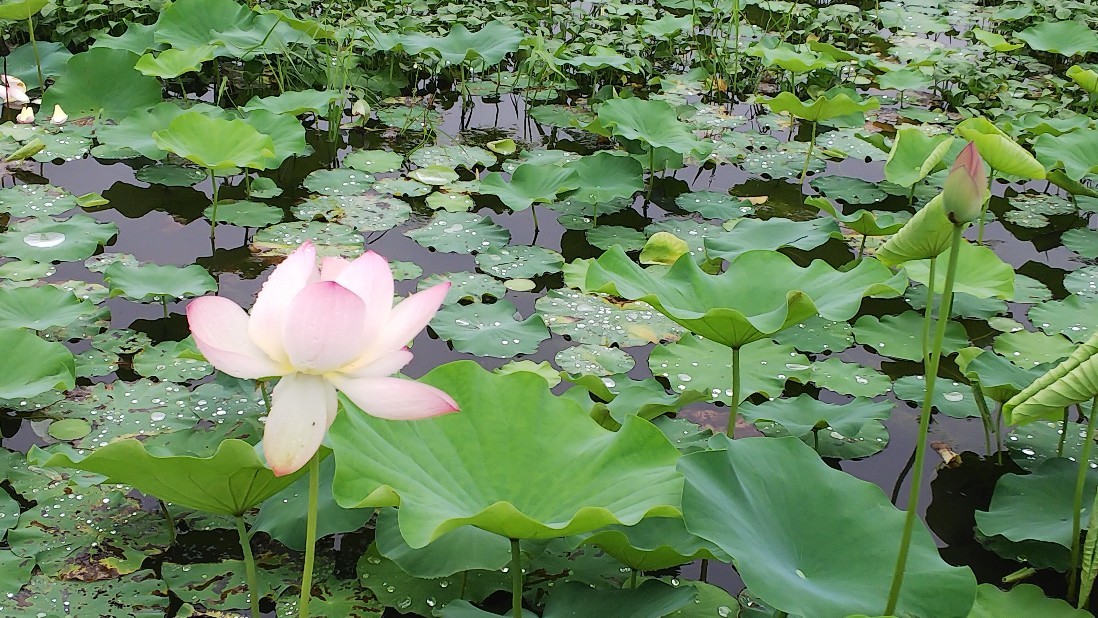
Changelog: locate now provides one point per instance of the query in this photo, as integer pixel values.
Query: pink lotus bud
(26, 116)
(965, 189)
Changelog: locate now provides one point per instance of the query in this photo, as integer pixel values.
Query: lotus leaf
(1021, 600)
(530, 184)
(849, 378)
(172, 63)
(1073, 381)
(491, 43)
(915, 154)
(926, 235)
(802, 414)
(786, 536)
(1074, 317)
(295, 103)
(773, 233)
(900, 336)
(865, 222)
(599, 320)
(731, 308)
(1074, 152)
(460, 232)
(154, 283)
(596, 360)
(22, 63)
(103, 82)
(394, 587)
(652, 599)
(1086, 78)
(980, 273)
(491, 465)
(55, 240)
(821, 109)
(216, 144)
(1068, 38)
(998, 150)
(462, 549)
(20, 9)
(330, 239)
(40, 308)
(283, 516)
(652, 122)
(1028, 349)
(794, 60)
(38, 367)
(602, 177)
(489, 329)
(234, 29)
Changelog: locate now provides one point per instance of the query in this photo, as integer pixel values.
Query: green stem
(927, 312)
(213, 212)
(1063, 434)
(249, 565)
(265, 394)
(808, 158)
(985, 416)
(861, 247)
(816, 440)
(633, 579)
(734, 403)
(924, 423)
(983, 211)
(34, 46)
(1077, 504)
(168, 518)
(310, 537)
(516, 579)
(703, 570)
(164, 304)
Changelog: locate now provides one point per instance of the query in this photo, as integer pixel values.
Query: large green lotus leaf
(851, 379)
(1037, 506)
(235, 29)
(822, 108)
(33, 366)
(55, 240)
(733, 308)
(793, 60)
(915, 154)
(396, 588)
(285, 132)
(519, 261)
(151, 282)
(215, 143)
(699, 364)
(369, 212)
(1067, 38)
(137, 595)
(652, 599)
(1076, 152)
(102, 81)
(374, 160)
(980, 273)
(491, 43)
(284, 515)
(231, 482)
(998, 150)
(492, 464)
(295, 102)
(331, 239)
(1021, 600)
(800, 415)
(1074, 317)
(490, 329)
(1028, 349)
(820, 542)
(998, 378)
(928, 234)
(41, 307)
(462, 549)
(1073, 381)
(770, 234)
(460, 232)
(865, 222)
(652, 122)
(172, 63)
(625, 396)
(900, 336)
(603, 177)
(529, 185)
(22, 63)
(135, 131)
(652, 544)
(20, 9)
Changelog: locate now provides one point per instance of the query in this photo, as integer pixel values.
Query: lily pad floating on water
(36, 200)
(951, 398)
(519, 261)
(489, 329)
(369, 212)
(331, 239)
(849, 378)
(900, 336)
(775, 233)
(244, 213)
(715, 205)
(818, 335)
(55, 240)
(1021, 600)
(41, 307)
(466, 286)
(173, 361)
(170, 175)
(39, 367)
(1028, 349)
(594, 360)
(339, 182)
(373, 161)
(786, 541)
(530, 184)
(1075, 317)
(599, 477)
(600, 320)
(459, 232)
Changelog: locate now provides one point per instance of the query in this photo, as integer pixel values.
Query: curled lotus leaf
(1075, 380)
(926, 235)
(492, 464)
(732, 308)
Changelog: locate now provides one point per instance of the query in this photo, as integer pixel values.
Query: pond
(648, 216)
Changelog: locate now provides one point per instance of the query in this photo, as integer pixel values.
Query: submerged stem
(1077, 503)
(944, 310)
(310, 537)
(168, 518)
(249, 565)
(516, 579)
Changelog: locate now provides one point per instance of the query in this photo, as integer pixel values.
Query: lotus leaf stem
(987, 204)
(249, 565)
(1063, 433)
(516, 579)
(734, 403)
(927, 312)
(944, 311)
(808, 157)
(310, 537)
(168, 518)
(633, 578)
(34, 46)
(703, 570)
(985, 416)
(1077, 503)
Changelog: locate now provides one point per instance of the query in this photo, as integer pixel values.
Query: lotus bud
(26, 116)
(360, 108)
(59, 115)
(965, 189)
(13, 90)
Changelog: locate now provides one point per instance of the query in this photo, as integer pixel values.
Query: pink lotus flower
(13, 90)
(321, 330)
(965, 189)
